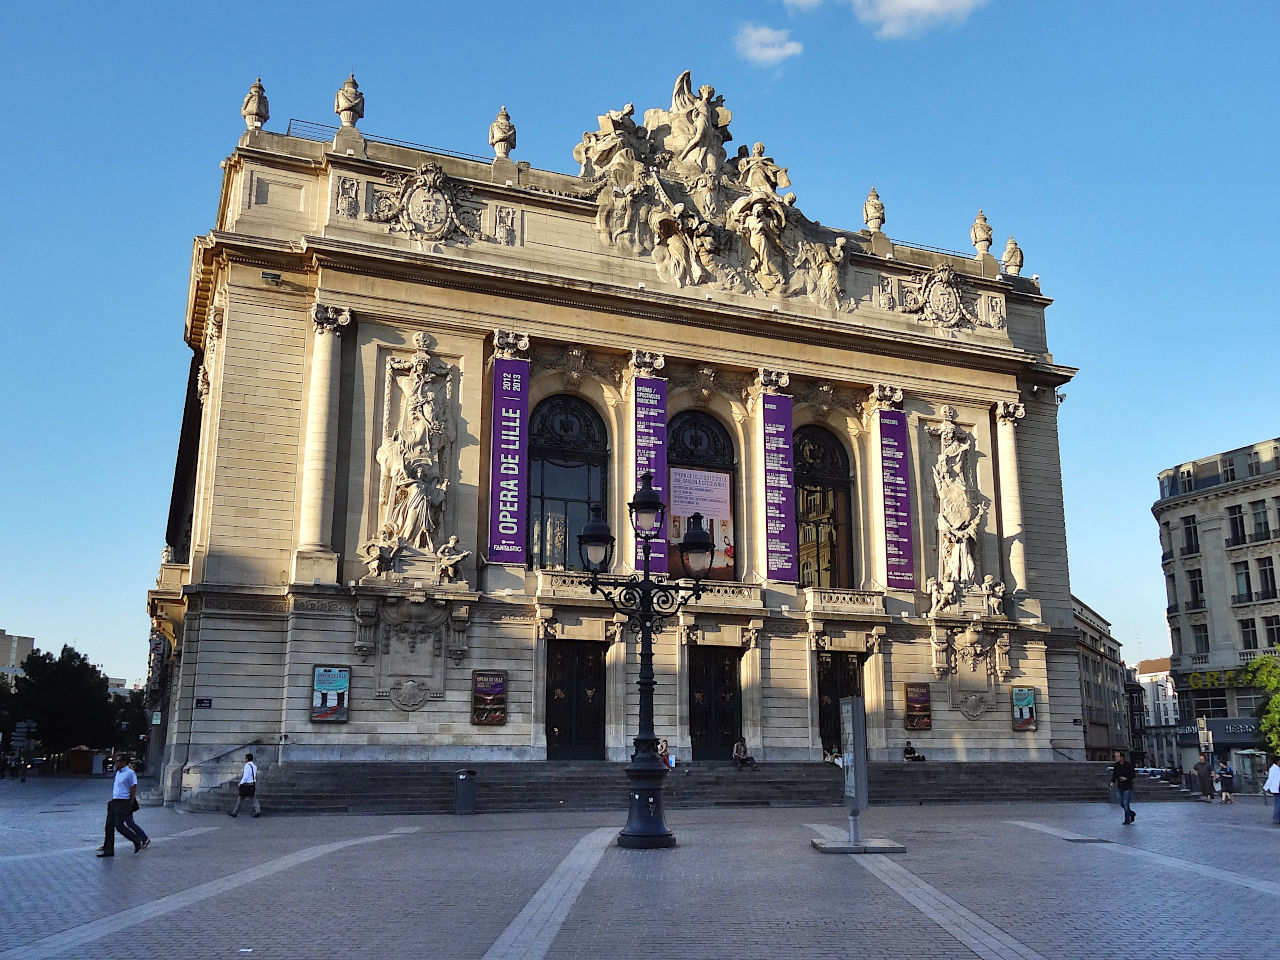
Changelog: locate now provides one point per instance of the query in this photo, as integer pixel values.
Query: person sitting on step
(740, 756)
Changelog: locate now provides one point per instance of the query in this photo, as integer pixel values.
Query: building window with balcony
(1248, 634)
(1255, 463)
(1266, 579)
(568, 470)
(1200, 637)
(1186, 480)
(1171, 589)
(1175, 637)
(1244, 588)
(1190, 536)
(823, 508)
(1271, 627)
(1195, 582)
(1227, 467)
(1235, 526)
(1261, 526)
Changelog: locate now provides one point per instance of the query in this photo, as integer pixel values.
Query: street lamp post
(644, 601)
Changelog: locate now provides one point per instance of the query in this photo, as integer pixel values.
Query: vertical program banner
(509, 466)
(650, 396)
(896, 479)
(779, 489)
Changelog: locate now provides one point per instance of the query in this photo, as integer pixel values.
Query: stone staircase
(509, 787)
(985, 782)
(423, 788)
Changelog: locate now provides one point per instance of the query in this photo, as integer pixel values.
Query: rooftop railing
(322, 132)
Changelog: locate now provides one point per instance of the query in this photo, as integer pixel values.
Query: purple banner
(779, 490)
(651, 455)
(900, 563)
(509, 467)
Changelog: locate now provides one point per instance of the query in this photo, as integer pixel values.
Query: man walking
(124, 790)
(248, 786)
(1204, 777)
(1272, 786)
(1122, 774)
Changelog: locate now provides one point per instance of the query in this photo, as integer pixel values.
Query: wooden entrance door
(839, 675)
(575, 700)
(715, 701)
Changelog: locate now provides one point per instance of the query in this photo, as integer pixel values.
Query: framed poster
(488, 698)
(1023, 700)
(919, 711)
(710, 493)
(330, 694)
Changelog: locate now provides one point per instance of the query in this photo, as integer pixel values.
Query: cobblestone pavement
(1019, 880)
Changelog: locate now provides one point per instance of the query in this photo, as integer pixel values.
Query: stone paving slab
(992, 880)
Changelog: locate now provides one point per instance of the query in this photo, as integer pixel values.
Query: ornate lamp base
(646, 827)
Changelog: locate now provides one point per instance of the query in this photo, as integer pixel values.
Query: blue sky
(1130, 147)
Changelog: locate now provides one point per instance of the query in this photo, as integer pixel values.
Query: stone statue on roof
(759, 173)
(694, 130)
(980, 234)
(873, 211)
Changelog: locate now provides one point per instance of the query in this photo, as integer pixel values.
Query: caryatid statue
(502, 135)
(1012, 259)
(255, 108)
(873, 211)
(349, 102)
(980, 234)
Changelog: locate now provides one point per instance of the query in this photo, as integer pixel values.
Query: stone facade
(1219, 520)
(336, 474)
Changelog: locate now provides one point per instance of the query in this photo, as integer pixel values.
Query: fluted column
(315, 558)
(1008, 413)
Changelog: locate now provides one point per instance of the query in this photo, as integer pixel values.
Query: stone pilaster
(1008, 413)
(315, 558)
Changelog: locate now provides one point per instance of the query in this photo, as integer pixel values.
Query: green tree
(68, 700)
(1264, 673)
(130, 720)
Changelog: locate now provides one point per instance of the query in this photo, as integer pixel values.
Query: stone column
(315, 559)
(1008, 413)
(876, 695)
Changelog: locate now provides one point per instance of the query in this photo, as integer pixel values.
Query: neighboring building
(1161, 720)
(394, 347)
(13, 653)
(1219, 523)
(1102, 685)
(1135, 700)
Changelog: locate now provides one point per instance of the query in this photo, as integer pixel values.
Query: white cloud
(901, 18)
(765, 46)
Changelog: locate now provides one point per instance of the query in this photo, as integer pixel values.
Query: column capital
(510, 344)
(1010, 411)
(884, 396)
(330, 319)
(646, 363)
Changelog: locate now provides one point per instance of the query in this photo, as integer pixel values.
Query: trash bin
(464, 792)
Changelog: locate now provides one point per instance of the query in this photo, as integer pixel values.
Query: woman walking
(1226, 780)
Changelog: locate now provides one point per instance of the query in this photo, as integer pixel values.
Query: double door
(575, 700)
(715, 701)
(839, 675)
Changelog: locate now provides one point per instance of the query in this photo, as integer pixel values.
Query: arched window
(702, 469)
(568, 471)
(823, 508)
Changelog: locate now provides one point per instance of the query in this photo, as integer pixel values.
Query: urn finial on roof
(873, 211)
(255, 109)
(980, 234)
(349, 102)
(502, 134)
(1011, 262)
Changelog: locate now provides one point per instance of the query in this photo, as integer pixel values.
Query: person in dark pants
(740, 756)
(124, 790)
(1122, 774)
(1204, 777)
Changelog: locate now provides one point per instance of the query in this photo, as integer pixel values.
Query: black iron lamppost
(643, 601)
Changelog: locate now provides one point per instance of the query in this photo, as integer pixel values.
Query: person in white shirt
(123, 792)
(1272, 786)
(248, 786)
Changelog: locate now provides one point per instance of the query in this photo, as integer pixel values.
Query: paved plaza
(1018, 880)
